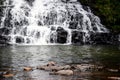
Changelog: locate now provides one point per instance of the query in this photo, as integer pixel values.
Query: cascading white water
(38, 22)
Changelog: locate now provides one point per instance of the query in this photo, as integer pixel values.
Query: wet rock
(61, 35)
(63, 72)
(54, 68)
(57, 68)
(114, 78)
(46, 68)
(52, 63)
(27, 68)
(49, 66)
(30, 2)
(8, 74)
(99, 68)
(100, 38)
(19, 40)
(4, 40)
(66, 67)
(77, 37)
(73, 25)
(84, 67)
(5, 31)
(113, 70)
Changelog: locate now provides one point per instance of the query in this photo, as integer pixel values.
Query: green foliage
(107, 10)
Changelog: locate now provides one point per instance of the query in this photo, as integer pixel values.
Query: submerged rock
(27, 68)
(113, 70)
(85, 67)
(114, 78)
(54, 68)
(8, 74)
(52, 63)
(63, 72)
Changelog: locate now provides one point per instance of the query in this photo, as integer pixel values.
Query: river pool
(14, 58)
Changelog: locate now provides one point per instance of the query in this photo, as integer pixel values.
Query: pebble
(7, 75)
(27, 69)
(114, 78)
(63, 72)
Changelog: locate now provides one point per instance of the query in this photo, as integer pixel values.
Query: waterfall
(45, 22)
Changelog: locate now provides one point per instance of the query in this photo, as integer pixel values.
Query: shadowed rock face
(30, 2)
(61, 35)
(4, 40)
(77, 37)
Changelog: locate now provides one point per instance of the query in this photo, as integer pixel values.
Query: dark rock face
(114, 39)
(73, 24)
(104, 38)
(100, 38)
(61, 35)
(77, 37)
(4, 31)
(4, 40)
(30, 2)
(19, 40)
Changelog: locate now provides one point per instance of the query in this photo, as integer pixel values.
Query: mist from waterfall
(45, 22)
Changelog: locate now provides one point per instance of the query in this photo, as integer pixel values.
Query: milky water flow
(36, 21)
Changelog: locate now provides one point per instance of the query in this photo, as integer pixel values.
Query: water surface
(14, 58)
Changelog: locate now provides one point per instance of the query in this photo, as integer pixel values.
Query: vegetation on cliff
(107, 10)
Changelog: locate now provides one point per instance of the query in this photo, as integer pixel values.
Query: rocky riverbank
(68, 70)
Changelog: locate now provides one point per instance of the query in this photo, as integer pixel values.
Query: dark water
(14, 58)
